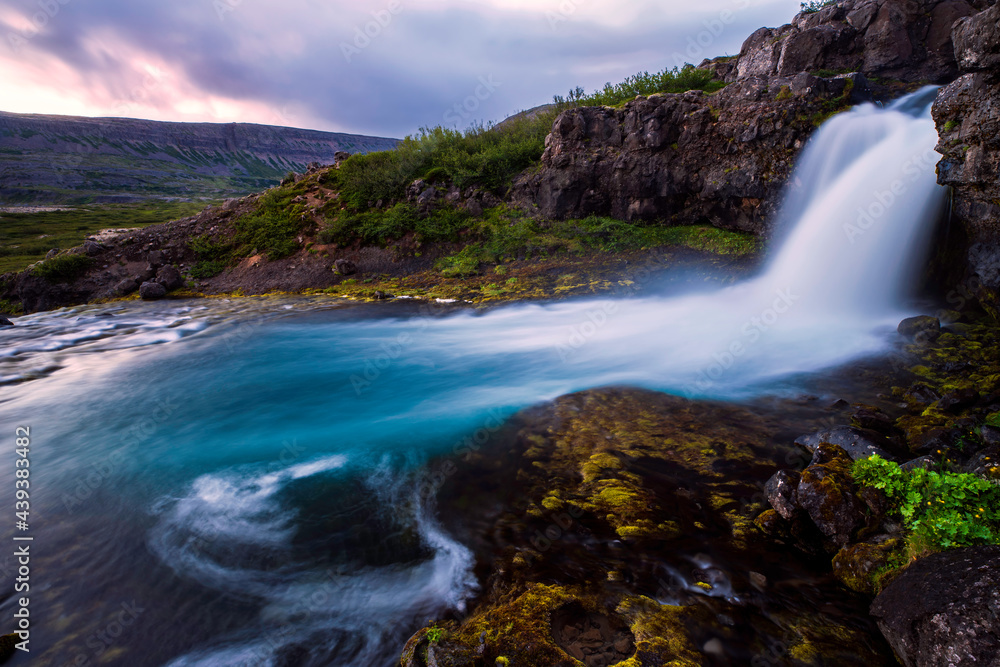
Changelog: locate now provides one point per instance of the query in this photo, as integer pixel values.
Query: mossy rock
(861, 567)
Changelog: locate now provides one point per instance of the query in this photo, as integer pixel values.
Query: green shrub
(676, 80)
(461, 264)
(378, 227)
(942, 510)
(813, 6)
(63, 268)
(951, 125)
(272, 228)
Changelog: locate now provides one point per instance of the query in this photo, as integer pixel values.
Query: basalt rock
(152, 291)
(856, 442)
(907, 41)
(944, 609)
(720, 159)
(858, 565)
(922, 326)
(967, 113)
(4, 322)
(170, 277)
(827, 492)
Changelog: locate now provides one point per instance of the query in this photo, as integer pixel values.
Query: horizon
(227, 61)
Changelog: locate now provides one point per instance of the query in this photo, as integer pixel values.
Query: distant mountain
(68, 159)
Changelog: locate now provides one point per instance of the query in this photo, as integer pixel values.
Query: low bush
(942, 510)
(63, 268)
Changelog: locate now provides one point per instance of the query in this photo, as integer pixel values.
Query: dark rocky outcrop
(967, 113)
(907, 41)
(720, 159)
(723, 159)
(4, 322)
(944, 610)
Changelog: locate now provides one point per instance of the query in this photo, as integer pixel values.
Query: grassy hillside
(26, 237)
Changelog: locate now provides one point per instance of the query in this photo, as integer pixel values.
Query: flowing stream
(233, 483)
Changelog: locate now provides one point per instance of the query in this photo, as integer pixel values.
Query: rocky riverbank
(629, 527)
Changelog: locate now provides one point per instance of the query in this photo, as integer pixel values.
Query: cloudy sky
(381, 67)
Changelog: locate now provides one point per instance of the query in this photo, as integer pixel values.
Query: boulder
(52, 253)
(170, 277)
(857, 442)
(827, 492)
(922, 327)
(92, 248)
(344, 267)
(977, 41)
(782, 493)
(944, 609)
(4, 322)
(155, 259)
(857, 565)
(126, 287)
(152, 291)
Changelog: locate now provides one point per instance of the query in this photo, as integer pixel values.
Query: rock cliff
(967, 113)
(724, 158)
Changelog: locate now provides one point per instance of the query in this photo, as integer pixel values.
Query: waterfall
(860, 208)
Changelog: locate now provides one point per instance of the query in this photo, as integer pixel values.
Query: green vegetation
(813, 6)
(483, 156)
(502, 235)
(666, 81)
(435, 634)
(63, 269)
(25, 238)
(378, 227)
(487, 156)
(272, 228)
(942, 510)
(951, 125)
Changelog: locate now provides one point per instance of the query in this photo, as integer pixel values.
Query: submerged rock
(944, 609)
(627, 537)
(922, 327)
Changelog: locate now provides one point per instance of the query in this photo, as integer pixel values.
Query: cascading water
(252, 470)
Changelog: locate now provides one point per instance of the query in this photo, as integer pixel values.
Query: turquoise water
(250, 474)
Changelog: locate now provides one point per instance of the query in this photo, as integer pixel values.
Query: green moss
(951, 125)
(784, 94)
